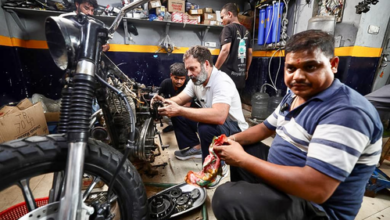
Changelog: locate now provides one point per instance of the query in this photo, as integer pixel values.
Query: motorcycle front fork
(71, 206)
(78, 111)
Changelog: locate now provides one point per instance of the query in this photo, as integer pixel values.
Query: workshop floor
(377, 208)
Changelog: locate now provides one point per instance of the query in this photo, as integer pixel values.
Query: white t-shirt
(219, 89)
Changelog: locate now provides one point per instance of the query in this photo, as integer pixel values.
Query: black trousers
(187, 132)
(247, 197)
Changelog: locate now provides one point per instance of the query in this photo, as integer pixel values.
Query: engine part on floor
(378, 181)
(182, 200)
(195, 193)
(175, 201)
(175, 193)
(161, 207)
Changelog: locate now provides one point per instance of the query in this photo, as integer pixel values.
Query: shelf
(14, 11)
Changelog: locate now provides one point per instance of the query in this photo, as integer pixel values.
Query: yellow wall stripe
(32, 44)
(5, 41)
(150, 49)
(355, 51)
(358, 51)
(271, 53)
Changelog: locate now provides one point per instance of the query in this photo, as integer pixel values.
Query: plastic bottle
(268, 25)
(277, 24)
(274, 101)
(261, 36)
(259, 103)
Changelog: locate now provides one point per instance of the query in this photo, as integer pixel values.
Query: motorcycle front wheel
(23, 159)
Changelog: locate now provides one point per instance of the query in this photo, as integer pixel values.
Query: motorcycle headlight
(63, 38)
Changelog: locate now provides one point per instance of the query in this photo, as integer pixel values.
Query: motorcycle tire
(29, 157)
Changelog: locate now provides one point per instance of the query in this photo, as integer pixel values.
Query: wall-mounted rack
(15, 11)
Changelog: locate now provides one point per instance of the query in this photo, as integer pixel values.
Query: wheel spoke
(90, 188)
(24, 184)
(57, 187)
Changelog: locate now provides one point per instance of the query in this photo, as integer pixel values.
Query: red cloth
(212, 169)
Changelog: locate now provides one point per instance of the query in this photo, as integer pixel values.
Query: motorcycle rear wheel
(25, 158)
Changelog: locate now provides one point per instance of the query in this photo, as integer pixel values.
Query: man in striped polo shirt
(328, 141)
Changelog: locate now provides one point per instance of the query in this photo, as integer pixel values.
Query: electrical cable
(269, 69)
(280, 63)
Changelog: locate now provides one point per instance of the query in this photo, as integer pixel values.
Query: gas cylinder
(259, 103)
(274, 101)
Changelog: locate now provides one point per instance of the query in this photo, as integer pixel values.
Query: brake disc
(47, 212)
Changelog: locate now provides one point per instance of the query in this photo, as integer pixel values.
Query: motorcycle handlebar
(120, 15)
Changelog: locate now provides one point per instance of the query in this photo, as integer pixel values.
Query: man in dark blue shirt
(327, 144)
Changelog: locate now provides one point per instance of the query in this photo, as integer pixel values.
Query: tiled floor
(372, 208)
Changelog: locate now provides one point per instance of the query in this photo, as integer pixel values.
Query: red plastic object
(19, 210)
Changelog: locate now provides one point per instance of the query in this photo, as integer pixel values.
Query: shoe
(167, 129)
(224, 173)
(225, 170)
(188, 154)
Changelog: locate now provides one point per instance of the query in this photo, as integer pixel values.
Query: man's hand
(246, 74)
(232, 153)
(106, 47)
(170, 109)
(156, 98)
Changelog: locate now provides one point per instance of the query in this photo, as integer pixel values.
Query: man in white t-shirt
(221, 111)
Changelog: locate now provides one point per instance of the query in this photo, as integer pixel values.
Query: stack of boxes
(193, 16)
(205, 16)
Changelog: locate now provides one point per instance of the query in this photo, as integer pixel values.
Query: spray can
(268, 24)
(277, 24)
(261, 37)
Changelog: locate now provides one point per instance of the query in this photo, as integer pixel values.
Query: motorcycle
(75, 43)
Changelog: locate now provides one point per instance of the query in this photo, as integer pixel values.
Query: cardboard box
(154, 4)
(210, 22)
(197, 18)
(209, 16)
(23, 120)
(176, 5)
(208, 10)
(177, 17)
(52, 116)
(195, 12)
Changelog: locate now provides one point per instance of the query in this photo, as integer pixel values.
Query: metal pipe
(71, 202)
(120, 15)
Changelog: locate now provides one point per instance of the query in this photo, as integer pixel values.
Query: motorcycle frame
(83, 71)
